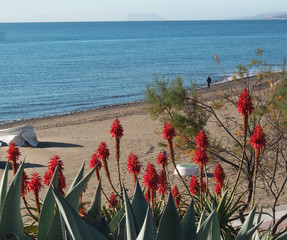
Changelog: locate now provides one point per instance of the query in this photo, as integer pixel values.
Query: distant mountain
(268, 16)
(144, 17)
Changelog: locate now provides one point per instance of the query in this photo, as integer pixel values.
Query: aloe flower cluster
(54, 162)
(219, 178)
(151, 180)
(194, 185)
(117, 132)
(163, 183)
(245, 108)
(103, 153)
(24, 184)
(176, 196)
(35, 185)
(133, 166)
(113, 201)
(168, 134)
(201, 158)
(93, 162)
(257, 142)
(13, 155)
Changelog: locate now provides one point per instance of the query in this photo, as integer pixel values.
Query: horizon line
(165, 20)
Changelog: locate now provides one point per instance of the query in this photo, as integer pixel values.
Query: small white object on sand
(23, 135)
(187, 169)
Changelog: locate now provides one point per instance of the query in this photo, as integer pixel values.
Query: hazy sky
(118, 10)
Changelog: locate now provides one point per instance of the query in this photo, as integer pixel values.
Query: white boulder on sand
(23, 135)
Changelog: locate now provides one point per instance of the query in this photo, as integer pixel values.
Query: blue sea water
(56, 68)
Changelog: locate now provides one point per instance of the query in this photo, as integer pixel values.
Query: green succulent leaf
(205, 230)
(57, 228)
(47, 212)
(139, 206)
(256, 234)
(267, 234)
(73, 197)
(10, 217)
(247, 229)
(148, 230)
(117, 219)
(131, 229)
(119, 233)
(103, 227)
(188, 223)
(221, 204)
(77, 228)
(202, 219)
(14, 236)
(248, 234)
(248, 223)
(95, 213)
(3, 185)
(170, 226)
(214, 234)
(77, 179)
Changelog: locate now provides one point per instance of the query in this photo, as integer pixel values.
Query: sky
(119, 10)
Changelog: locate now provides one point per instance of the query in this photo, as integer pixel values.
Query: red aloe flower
(54, 162)
(103, 153)
(217, 188)
(168, 132)
(162, 159)
(245, 108)
(116, 129)
(94, 161)
(113, 201)
(24, 184)
(151, 177)
(151, 180)
(176, 196)
(117, 133)
(257, 140)
(163, 184)
(147, 196)
(200, 157)
(83, 212)
(13, 155)
(244, 105)
(194, 185)
(202, 140)
(219, 175)
(133, 166)
(35, 185)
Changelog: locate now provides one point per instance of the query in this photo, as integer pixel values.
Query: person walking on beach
(208, 80)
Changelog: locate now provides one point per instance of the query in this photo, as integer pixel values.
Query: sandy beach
(75, 137)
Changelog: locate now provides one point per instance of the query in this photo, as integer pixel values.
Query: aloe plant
(59, 217)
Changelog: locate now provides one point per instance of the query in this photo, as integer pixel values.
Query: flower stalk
(117, 133)
(35, 185)
(168, 134)
(13, 156)
(257, 142)
(103, 153)
(245, 108)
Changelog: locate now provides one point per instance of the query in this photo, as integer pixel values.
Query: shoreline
(75, 138)
(218, 85)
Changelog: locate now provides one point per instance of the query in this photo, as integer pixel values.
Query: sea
(58, 68)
